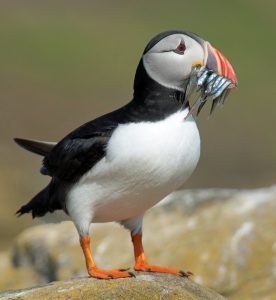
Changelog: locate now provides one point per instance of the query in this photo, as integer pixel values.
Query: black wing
(77, 153)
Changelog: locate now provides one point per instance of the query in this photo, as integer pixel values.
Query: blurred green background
(63, 63)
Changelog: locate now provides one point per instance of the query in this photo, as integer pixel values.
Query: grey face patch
(166, 66)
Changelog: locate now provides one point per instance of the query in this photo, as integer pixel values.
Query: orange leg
(92, 269)
(141, 263)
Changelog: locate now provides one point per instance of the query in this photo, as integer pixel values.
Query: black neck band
(147, 90)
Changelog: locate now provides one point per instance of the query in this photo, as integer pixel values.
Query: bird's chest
(155, 153)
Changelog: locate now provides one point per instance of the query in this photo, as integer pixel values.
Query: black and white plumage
(119, 165)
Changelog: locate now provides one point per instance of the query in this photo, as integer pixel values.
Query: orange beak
(217, 62)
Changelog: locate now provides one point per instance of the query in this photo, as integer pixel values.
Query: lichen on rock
(144, 286)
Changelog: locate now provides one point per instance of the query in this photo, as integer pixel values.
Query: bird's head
(170, 57)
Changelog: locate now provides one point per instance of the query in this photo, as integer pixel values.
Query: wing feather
(35, 146)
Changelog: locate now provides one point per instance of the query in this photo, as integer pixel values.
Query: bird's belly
(144, 163)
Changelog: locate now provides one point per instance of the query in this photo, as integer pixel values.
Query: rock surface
(225, 237)
(144, 286)
(13, 277)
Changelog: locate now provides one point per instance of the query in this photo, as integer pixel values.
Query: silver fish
(193, 83)
(202, 78)
(221, 89)
(210, 85)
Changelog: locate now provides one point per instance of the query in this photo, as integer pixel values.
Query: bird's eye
(180, 48)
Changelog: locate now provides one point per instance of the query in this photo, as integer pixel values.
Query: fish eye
(180, 48)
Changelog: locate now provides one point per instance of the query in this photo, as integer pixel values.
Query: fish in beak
(214, 78)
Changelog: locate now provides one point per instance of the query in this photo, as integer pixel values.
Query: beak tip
(234, 84)
(234, 80)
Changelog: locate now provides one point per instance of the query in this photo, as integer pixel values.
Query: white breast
(162, 152)
(144, 162)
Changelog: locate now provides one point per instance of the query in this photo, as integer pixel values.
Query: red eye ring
(180, 48)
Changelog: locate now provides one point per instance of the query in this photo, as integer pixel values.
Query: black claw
(132, 274)
(182, 273)
(123, 270)
(185, 274)
(147, 270)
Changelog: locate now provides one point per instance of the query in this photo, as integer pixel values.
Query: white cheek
(171, 69)
(165, 68)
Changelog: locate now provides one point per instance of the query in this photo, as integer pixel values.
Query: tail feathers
(38, 206)
(38, 147)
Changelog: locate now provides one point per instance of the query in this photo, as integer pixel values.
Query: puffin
(117, 166)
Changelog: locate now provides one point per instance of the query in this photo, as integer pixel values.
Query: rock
(144, 286)
(12, 277)
(228, 241)
(47, 248)
(54, 252)
(225, 237)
